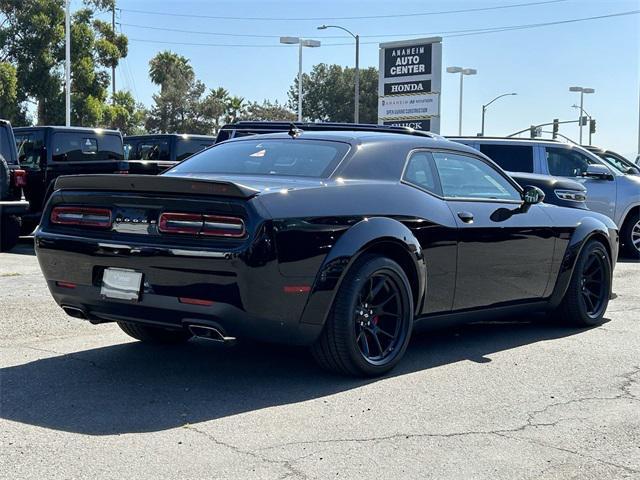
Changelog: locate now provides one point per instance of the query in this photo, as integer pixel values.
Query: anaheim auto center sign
(409, 83)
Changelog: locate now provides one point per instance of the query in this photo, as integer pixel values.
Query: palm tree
(234, 107)
(168, 65)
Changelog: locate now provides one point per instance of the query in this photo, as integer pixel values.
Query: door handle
(466, 217)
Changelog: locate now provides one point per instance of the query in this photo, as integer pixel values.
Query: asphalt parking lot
(514, 399)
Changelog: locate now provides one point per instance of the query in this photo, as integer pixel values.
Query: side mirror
(598, 171)
(532, 195)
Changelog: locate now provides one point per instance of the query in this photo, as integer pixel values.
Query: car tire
(155, 335)
(9, 232)
(358, 326)
(586, 299)
(630, 235)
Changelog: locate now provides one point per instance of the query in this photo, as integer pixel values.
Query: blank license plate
(121, 283)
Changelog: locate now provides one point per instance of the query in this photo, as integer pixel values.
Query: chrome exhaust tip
(75, 312)
(210, 333)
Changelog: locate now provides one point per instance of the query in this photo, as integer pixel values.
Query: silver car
(609, 191)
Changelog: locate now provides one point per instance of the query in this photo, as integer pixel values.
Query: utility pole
(67, 64)
(113, 69)
(356, 114)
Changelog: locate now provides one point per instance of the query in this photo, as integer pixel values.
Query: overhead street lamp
(586, 114)
(462, 72)
(484, 109)
(582, 91)
(301, 42)
(356, 113)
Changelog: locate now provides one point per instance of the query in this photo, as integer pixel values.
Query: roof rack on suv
(244, 128)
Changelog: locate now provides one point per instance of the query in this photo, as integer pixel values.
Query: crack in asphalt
(287, 464)
(530, 422)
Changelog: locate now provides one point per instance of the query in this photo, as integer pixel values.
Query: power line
(359, 17)
(450, 34)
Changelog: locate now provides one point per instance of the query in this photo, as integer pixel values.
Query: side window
(512, 158)
(74, 147)
(29, 146)
(6, 149)
(420, 171)
(154, 149)
(185, 148)
(467, 177)
(566, 162)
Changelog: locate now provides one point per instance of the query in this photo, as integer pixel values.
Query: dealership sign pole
(410, 82)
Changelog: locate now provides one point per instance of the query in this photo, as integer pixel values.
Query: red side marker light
(65, 284)
(196, 301)
(296, 288)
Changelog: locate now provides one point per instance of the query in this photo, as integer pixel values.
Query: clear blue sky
(539, 64)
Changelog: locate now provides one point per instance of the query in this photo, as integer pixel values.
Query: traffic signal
(592, 126)
(556, 128)
(534, 131)
(583, 120)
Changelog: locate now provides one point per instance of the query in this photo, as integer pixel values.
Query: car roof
(537, 141)
(68, 129)
(186, 136)
(359, 137)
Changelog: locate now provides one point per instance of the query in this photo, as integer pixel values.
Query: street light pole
(582, 91)
(67, 64)
(301, 42)
(356, 112)
(300, 81)
(484, 109)
(586, 114)
(462, 72)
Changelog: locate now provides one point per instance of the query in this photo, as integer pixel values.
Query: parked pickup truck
(153, 154)
(12, 178)
(46, 153)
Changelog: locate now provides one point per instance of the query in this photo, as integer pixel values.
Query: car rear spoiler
(152, 183)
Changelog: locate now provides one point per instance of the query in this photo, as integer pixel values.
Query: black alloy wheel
(378, 318)
(593, 284)
(587, 296)
(370, 323)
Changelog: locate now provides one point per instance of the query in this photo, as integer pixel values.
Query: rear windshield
(187, 147)
(288, 157)
(74, 147)
(147, 149)
(6, 147)
(512, 158)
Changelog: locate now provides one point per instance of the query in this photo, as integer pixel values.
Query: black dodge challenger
(340, 240)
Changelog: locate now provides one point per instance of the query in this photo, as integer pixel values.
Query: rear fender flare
(360, 238)
(588, 228)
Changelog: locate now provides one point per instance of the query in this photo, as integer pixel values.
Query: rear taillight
(186, 223)
(82, 216)
(217, 226)
(19, 178)
(196, 224)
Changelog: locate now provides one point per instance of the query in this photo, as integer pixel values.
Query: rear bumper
(248, 300)
(18, 207)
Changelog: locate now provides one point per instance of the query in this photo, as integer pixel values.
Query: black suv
(11, 181)
(153, 154)
(49, 152)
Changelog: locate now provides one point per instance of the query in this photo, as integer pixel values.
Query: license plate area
(121, 284)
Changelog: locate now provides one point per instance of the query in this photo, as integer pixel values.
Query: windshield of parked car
(621, 164)
(288, 157)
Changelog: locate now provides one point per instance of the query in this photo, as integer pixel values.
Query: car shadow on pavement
(132, 387)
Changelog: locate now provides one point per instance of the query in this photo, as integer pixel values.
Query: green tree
(125, 114)
(9, 107)
(267, 111)
(165, 66)
(214, 106)
(32, 40)
(179, 107)
(329, 94)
